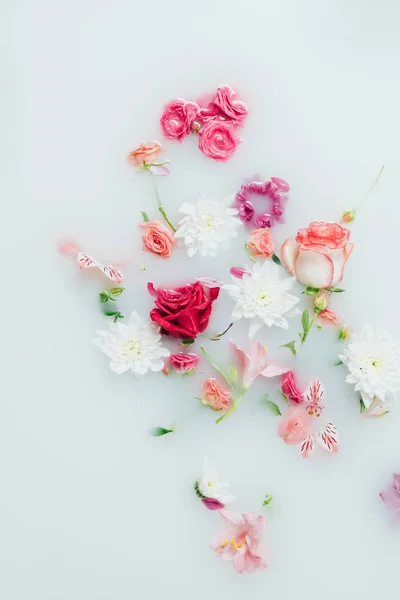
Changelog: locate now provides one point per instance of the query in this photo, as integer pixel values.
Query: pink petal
(328, 438)
(212, 503)
(255, 524)
(239, 561)
(159, 170)
(255, 558)
(273, 371)
(289, 253)
(234, 519)
(242, 356)
(396, 481)
(238, 272)
(339, 258)
(152, 290)
(315, 392)
(209, 282)
(224, 551)
(314, 269)
(308, 446)
(68, 248)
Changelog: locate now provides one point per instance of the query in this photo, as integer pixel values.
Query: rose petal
(212, 503)
(159, 170)
(315, 270)
(289, 253)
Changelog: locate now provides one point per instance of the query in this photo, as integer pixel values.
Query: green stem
(164, 214)
(234, 406)
(309, 328)
(161, 209)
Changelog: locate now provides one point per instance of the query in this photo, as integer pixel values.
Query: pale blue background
(91, 507)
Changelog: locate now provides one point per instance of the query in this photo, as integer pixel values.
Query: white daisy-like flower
(262, 297)
(211, 485)
(135, 346)
(206, 225)
(373, 361)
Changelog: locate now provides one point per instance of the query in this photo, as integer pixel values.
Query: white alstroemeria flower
(135, 346)
(262, 297)
(211, 486)
(373, 361)
(206, 225)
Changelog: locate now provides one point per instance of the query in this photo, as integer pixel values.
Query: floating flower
(185, 311)
(85, 261)
(157, 239)
(178, 118)
(318, 254)
(275, 189)
(213, 491)
(183, 363)
(146, 153)
(206, 225)
(218, 140)
(225, 106)
(261, 243)
(391, 495)
(373, 361)
(321, 301)
(242, 544)
(328, 316)
(344, 332)
(289, 388)
(215, 396)
(263, 298)
(301, 424)
(253, 363)
(134, 347)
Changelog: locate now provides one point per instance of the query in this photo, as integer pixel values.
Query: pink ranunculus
(146, 153)
(215, 396)
(261, 243)
(318, 254)
(218, 139)
(290, 389)
(178, 118)
(242, 544)
(183, 363)
(254, 362)
(157, 239)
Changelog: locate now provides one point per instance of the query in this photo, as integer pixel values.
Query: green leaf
(158, 431)
(116, 291)
(362, 406)
(187, 342)
(219, 368)
(338, 363)
(305, 320)
(276, 260)
(268, 500)
(311, 291)
(291, 346)
(145, 216)
(104, 297)
(274, 408)
(335, 290)
(111, 313)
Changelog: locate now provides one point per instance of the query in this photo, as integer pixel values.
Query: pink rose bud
(348, 216)
(321, 301)
(183, 363)
(344, 332)
(238, 272)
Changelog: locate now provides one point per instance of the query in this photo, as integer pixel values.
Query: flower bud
(344, 332)
(348, 216)
(321, 301)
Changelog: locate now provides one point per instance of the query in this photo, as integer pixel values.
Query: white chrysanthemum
(206, 225)
(373, 361)
(211, 486)
(262, 297)
(135, 346)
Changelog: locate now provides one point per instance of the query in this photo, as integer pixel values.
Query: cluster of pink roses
(215, 123)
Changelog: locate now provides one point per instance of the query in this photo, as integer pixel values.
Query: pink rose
(261, 243)
(157, 239)
(290, 389)
(183, 363)
(215, 396)
(178, 118)
(318, 254)
(146, 153)
(232, 109)
(218, 139)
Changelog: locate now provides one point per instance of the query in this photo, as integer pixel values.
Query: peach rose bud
(261, 243)
(348, 216)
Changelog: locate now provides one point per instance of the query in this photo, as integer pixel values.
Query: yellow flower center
(129, 347)
(233, 543)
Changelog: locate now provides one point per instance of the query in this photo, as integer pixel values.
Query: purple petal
(212, 503)
(159, 170)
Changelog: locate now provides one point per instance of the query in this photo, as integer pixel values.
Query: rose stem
(160, 206)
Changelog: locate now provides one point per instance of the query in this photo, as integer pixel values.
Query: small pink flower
(391, 495)
(328, 316)
(290, 389)
(246, 211)
(241, 544)
(183, 363)
(218, 139)
(261, 243)
(238, 272)
(178, 118)
(230, 108)
(254, 362)
(215, 396)
(146, 153)
(157, 239)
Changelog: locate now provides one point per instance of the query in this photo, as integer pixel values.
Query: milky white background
(91, 506)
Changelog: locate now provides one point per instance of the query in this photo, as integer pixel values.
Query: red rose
(183, 312)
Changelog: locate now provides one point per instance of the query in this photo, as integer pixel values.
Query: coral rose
(318, 254)
(157, 239)
(178, 118)
(218, 139)
(146, 153)
(261, 243)
(215, 396)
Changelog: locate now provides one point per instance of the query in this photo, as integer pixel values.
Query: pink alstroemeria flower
(391, 495)
(254, 362)
(242, 543)
(301, 423)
